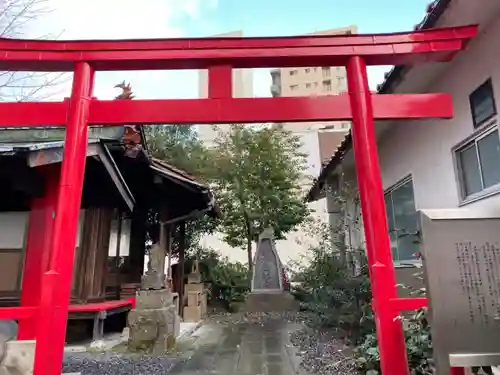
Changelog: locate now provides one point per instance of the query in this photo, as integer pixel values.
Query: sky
(126, 19)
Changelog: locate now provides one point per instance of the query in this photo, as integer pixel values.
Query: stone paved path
(242, 348)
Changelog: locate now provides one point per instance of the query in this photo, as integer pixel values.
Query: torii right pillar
(390, 333)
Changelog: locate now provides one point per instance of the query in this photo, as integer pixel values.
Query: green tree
(179, 146)
(259, 174)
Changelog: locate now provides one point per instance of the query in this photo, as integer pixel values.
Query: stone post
(196, 308)
(154, 323)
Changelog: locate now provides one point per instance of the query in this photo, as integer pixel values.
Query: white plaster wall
(290, 250)
(423, 149)
(14, 226)
(216, 242)
(297, 243)
(295, 247)
(310, 147)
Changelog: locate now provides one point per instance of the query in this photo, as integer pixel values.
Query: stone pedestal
(19, 358)
(153, 280)
(154, 323)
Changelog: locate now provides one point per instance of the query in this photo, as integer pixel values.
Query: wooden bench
(99, 312)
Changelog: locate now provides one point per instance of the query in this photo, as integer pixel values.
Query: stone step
(270, 302)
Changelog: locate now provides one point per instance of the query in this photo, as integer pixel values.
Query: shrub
(418, 345)
(230, 283)
(334, 287)
(334, 295)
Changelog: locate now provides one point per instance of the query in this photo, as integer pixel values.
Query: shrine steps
(270, 302)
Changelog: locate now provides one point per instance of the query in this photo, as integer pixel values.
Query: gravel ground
(112, 364)
(320, 351)
(253, 318)
(323, 353)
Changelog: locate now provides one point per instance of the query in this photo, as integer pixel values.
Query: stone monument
(267, 270)
(154, 323)
(267, 291)
(194, 290)
(461, 258)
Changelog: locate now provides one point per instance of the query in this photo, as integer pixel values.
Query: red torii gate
(219, 56)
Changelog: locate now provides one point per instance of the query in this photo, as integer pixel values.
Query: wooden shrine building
(123, 186)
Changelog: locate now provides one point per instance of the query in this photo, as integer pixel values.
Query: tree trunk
(248, 225)
(249, 254)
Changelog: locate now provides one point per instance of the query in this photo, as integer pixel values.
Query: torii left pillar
(36, 262)
(56, 284)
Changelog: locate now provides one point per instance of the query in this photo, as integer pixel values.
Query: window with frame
(118, 254)
(294, 87)
(341, 82)
(402, 220)
(327, 85)
(478, 163)
(482, 104)
(293, 72)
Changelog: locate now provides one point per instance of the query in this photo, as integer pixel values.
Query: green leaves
(232, 280)
(258, 175)
(340, 298)
(179, 146)
(226, 273)
(418, 347)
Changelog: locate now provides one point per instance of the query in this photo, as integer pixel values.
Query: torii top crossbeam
(220, 56)
(203, 53)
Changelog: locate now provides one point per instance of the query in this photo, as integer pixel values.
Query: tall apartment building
(319, 139)
(313, 81)
(242, 88)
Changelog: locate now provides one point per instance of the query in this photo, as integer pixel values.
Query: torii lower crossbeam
(220, 56)
(229, 110)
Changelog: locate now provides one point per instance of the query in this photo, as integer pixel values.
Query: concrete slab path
(242, 348)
